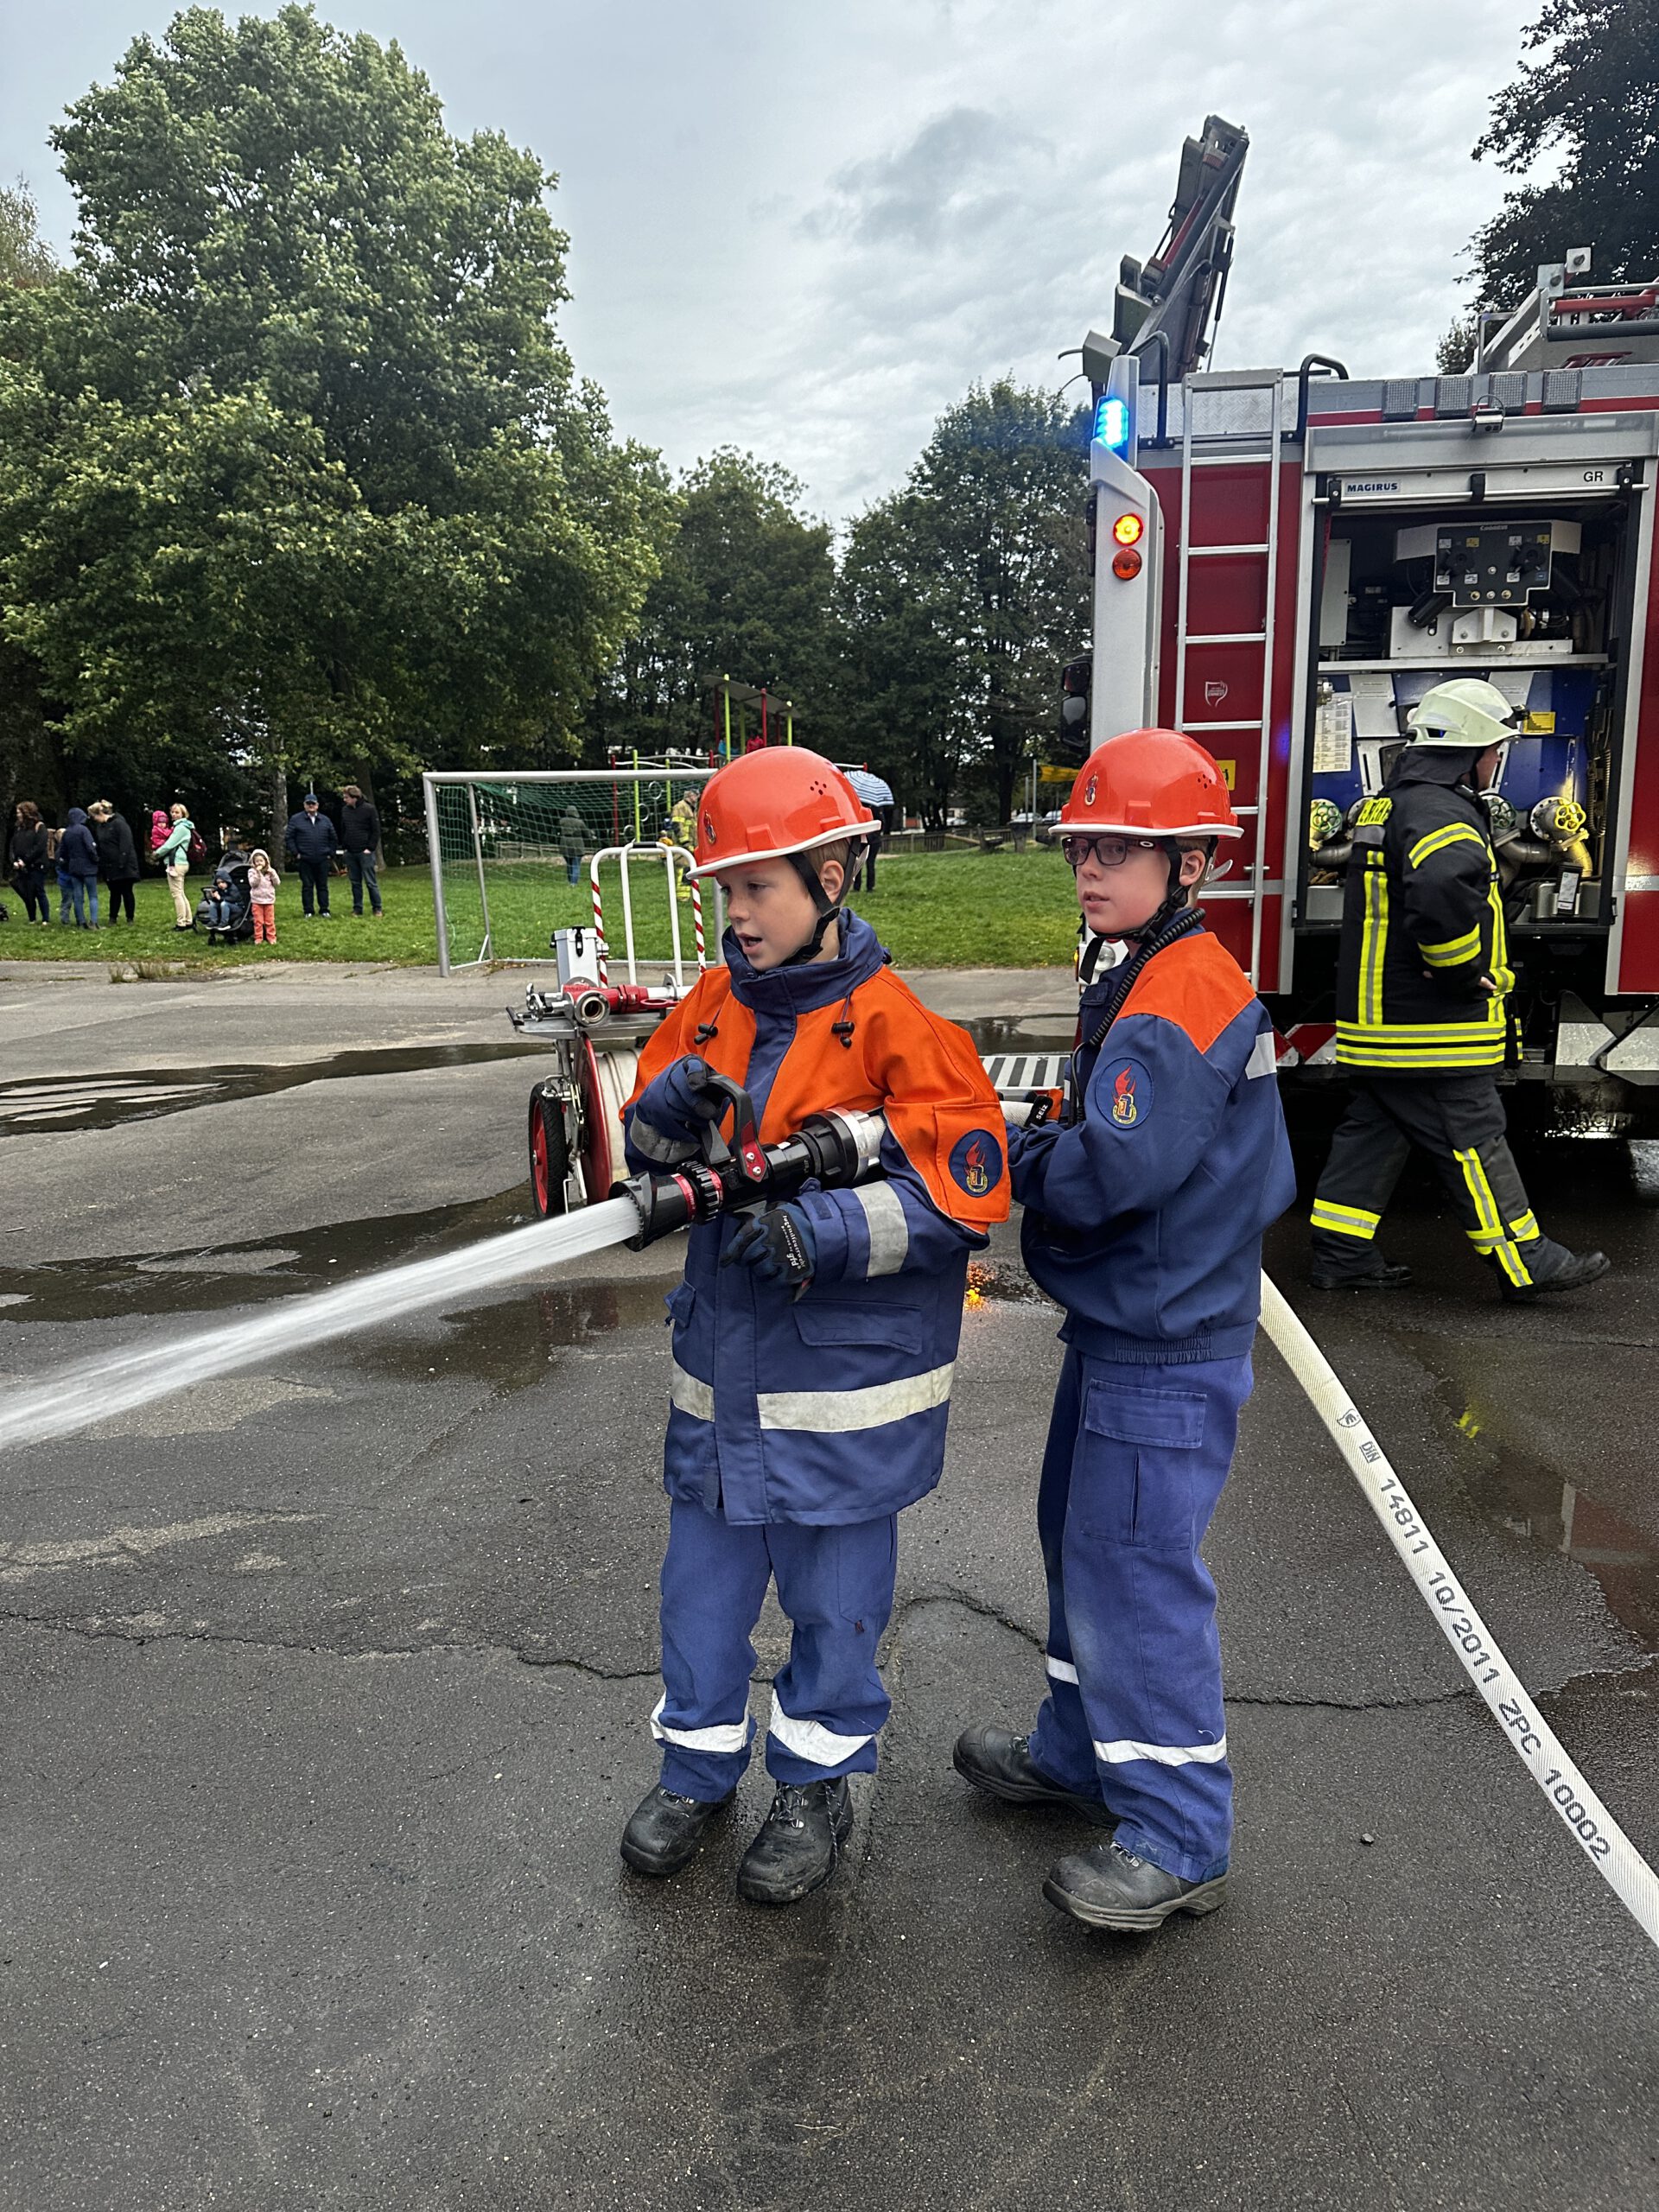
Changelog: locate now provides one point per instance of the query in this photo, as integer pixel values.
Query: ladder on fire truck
(1245, 431)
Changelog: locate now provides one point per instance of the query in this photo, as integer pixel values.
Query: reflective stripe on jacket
(1422, 923)
(831, 1408)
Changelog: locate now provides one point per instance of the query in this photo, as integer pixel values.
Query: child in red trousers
(264, 883)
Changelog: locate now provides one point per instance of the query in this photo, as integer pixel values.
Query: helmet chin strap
(828, 908)
(1175, 897)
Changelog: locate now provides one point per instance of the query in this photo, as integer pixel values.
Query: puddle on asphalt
(141, 1094)
(137, 1285)
(1530, 1498)
(1021, 1033)
(512, 1343)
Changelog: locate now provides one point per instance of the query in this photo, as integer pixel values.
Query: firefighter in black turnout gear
(1422, 1025)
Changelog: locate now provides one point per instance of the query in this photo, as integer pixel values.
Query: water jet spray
(834, 1150)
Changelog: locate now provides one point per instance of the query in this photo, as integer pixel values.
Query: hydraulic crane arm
(1179, 291)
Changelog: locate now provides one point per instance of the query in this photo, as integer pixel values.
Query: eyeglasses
(1110, 852)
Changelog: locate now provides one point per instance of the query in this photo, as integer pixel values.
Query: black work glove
(680, 1102)
(778, 1245)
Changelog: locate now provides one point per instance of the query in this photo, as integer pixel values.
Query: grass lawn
(995, 910)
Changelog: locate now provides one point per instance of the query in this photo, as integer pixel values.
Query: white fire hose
(1587, 1820)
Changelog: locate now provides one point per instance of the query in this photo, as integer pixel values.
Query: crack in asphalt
(123, 1632)
(1424, 1700)
(126, 1632)
(580, 1666)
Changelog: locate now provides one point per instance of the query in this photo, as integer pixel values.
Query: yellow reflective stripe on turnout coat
(1422, 923)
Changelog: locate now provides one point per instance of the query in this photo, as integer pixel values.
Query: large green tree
(905, 710)
(28, 764)
(1591, 100)
(25, 257)
(990, 526)
(294, 466)
(747, 591)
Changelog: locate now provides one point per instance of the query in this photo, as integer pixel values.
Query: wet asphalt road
(322, 1694)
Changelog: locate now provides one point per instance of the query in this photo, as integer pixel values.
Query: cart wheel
(550, 1157)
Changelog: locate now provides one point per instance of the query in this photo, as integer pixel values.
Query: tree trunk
(278, 813)
(1007, 744)
(1005, 773)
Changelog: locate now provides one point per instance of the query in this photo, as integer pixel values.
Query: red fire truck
(1285, 560)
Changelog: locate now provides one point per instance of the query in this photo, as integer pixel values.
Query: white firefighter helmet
(1465, 714)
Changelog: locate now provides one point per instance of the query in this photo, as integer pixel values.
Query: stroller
(229, 890)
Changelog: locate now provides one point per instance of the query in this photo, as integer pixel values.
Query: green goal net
(512, 856)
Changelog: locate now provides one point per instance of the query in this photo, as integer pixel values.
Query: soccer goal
(512, 856)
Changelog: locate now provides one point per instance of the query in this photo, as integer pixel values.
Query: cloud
(809, 230)
(952, 176)
(979, 235)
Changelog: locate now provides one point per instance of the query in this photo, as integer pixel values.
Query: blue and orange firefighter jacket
(800, 1427)
(1144, 1219)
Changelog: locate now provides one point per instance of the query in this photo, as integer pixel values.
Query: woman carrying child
(173, 856)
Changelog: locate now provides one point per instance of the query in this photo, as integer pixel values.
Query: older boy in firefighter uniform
(1422, 1019)
(1144, 1211)
(814, 1342)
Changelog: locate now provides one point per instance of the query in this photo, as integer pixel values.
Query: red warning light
(1128, 529)
(1126, 563)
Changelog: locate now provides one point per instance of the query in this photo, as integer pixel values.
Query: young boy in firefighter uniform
(1422, 1019)
(1145, 1205)
(814, 1341)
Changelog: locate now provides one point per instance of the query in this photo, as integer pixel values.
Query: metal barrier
(624, 855)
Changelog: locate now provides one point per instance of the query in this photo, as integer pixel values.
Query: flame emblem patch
(1129, 1098)
(976, 1163)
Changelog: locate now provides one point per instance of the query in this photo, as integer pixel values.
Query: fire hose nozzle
(833, 1150)
(670, 1201)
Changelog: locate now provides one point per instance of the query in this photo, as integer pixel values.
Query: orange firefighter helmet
(1150, 783)
(773, 803)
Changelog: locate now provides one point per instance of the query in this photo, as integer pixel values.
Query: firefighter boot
(1109, 1887)
(1552, 1267)
(666, 1832)
(1001, 1765)
(799, 1845)
(1324, 1273)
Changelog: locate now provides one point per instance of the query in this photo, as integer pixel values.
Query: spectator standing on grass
(173, 856)
(26, 855)
(264, 883)
(877, 794)
(311, 840)
(76, 860)
(570, 844)
(359, 836)
(118, 855)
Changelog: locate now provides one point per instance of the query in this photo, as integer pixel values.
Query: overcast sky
(807, 228)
